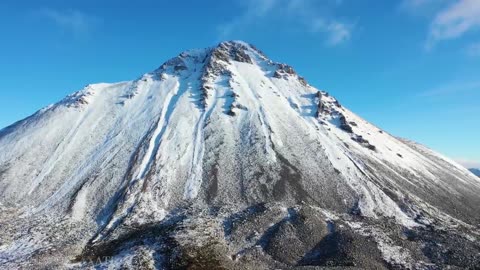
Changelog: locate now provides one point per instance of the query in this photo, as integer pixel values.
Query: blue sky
(412, 67)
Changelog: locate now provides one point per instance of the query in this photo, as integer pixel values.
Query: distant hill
(475, 171)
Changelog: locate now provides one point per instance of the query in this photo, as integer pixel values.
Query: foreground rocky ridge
(222, 158)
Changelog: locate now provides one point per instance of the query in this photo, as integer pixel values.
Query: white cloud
(73, 21)
(339, 32)
(454, 21)
(468, 163)
(301, 12)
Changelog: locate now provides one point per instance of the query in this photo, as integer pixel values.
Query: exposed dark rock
(241, 56)
(233, 103)
(303, 81)
(356, 211)
(344, 124)
(319, 109)
(216, 64)
(362, 141)
(277, 74)
(230, 112)
(232, 95)
(231, 223)
(342, 247)
(286, 69)
(220, 55)
(209, 256)
(179, 68)
(258, 51)
(177, 63)
(371, 147)
(320, 105)
(359, 139)
(78, 99)
(240, 106)
(82, 101)
(232, 50)
(204, 95)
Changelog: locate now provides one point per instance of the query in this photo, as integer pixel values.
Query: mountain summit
(223, 158)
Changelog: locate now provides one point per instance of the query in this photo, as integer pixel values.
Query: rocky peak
(228, 51)
(238, 50)
(80, 98)
(218, 59)
(268, 173)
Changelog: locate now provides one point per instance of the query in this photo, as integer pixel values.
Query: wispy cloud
(449, 19)
(473, 49)
(300, 12)
(454, 21)
(452, 89)
(422, 7)
(73, 21)
(337, 32)
(253, 10)
(414, 4)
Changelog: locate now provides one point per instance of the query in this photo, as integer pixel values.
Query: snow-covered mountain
(475, 171)
(222, 157)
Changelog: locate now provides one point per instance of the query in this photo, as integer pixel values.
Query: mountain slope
(227, 158)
